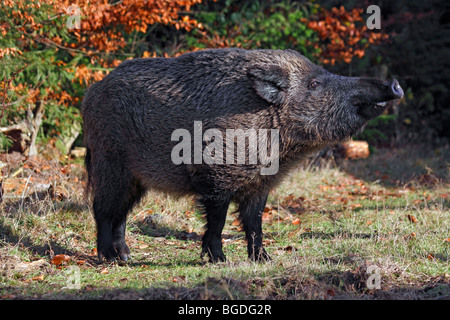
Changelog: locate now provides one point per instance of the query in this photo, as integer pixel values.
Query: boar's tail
(88, 165)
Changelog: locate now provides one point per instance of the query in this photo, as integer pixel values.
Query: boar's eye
(314, 84)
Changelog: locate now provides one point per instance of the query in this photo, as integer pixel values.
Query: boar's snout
(377, 96)
(397, 91)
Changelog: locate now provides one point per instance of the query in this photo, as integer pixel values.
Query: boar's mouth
(381, 95)
(370, 109)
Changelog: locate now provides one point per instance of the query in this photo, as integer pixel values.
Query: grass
(331, 230)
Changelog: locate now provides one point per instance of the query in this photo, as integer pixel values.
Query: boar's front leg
(216, 212)
(250, 214)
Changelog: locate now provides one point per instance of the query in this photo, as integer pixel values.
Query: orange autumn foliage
(103, 29)
(343, 34)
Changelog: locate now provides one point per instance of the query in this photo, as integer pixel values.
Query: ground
(375, 228)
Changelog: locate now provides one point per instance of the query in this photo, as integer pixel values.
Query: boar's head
(321, 106)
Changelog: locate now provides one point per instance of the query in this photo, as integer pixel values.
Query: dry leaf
(412, 219)
(40, 278)
(267, 214)
(296, 221)
(59, 259)
(356, 205)
(179, 279)
(104, 270)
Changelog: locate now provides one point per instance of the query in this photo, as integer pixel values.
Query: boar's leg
(119, 222)
(216, 212)
(115, 193)
(250, 214)
(104, 214)
(118, 235)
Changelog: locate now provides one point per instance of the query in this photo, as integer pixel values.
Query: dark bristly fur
(130, 115)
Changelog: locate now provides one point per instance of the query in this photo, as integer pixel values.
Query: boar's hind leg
(115, 194)
(119, 222)
(250, 214)
(216, 212)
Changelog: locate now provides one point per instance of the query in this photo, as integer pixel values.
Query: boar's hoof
(119, 251)
(107, 254)
(122, 250)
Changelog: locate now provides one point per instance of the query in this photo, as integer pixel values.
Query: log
(19, 134)
(353, 149)
(78, 152)
(24, 133)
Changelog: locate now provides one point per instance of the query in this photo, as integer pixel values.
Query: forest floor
(375, 228)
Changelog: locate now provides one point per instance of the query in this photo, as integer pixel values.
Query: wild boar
(138, 118)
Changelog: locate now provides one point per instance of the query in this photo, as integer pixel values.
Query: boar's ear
(270, 82)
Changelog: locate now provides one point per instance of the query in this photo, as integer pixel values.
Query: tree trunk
(34, 123)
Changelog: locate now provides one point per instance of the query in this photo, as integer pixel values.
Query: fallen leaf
(59, 259)
(39, 278)
(369, 222)
(267, 214)
(64, 170)
(412, 219)
(296, 221)
(179, 279)
(81, 262)
(356, 205)
(430, 257)
(104, 270)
